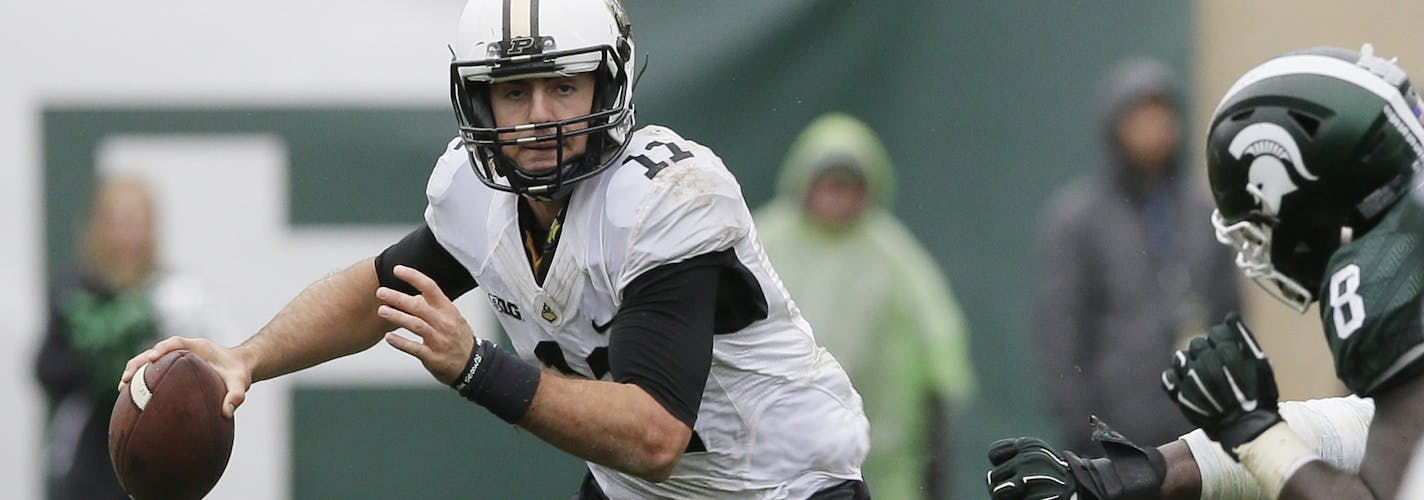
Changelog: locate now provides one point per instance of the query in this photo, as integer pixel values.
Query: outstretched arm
(332, 318)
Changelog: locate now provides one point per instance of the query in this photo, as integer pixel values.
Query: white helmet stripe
(521, 18)
(1314, 64)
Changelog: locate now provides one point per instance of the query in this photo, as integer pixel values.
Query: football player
(653, 338)
(1309, 155)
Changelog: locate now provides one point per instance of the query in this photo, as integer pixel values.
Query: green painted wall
(986, 106)
(386, 443)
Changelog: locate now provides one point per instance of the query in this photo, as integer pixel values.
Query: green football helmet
(1305, 152)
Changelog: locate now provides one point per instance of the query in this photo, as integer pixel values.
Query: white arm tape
(1334, 427)
(1274, 455)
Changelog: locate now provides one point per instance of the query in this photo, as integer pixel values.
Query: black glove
(1223, 383)
(1027, 468)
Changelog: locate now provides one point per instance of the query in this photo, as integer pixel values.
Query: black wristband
(1128, 472)
(498, 381)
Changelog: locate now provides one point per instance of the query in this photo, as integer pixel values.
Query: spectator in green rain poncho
(874, 297)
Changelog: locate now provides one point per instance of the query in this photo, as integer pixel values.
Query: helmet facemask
(1252, 242)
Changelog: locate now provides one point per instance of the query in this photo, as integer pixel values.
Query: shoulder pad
(447, 168)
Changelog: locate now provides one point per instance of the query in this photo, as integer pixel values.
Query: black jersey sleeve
(420, 250)
(661, 337)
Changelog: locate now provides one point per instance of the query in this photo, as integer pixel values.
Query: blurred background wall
(290, 138)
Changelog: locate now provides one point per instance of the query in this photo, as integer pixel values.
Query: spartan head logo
(1270, 149)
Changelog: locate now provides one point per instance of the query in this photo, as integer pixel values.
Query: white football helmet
(501, 40)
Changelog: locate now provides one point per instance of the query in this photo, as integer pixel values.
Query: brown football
(168, 438)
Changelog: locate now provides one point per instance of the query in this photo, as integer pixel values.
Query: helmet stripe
(505, 27)
(521, 18)
(1327, 66)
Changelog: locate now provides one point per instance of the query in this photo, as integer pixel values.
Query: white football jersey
(778, 418)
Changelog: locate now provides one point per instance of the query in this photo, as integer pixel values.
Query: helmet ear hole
(1307, 123)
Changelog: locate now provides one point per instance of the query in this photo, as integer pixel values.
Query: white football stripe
(138, 388)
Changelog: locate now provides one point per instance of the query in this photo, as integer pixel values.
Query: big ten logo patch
(504, 306)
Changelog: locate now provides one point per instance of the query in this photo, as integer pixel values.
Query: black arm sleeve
(661, 338)
(419, 250)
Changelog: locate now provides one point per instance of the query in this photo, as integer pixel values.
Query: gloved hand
(1224, 384)
(1029, 469)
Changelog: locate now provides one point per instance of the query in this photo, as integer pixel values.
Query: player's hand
(446, 340)
(1224, 384)
(236, 374)
(1027, 468)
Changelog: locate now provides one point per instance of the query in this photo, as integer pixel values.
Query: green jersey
(1370, 301)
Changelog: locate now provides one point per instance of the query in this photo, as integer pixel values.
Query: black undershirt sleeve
(420, 250)
(661, 338)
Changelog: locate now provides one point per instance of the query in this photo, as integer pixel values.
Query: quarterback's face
(537, 100)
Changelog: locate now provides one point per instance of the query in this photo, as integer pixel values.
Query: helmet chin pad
(546, 185)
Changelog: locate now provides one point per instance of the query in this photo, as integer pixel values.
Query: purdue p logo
(517, 46)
